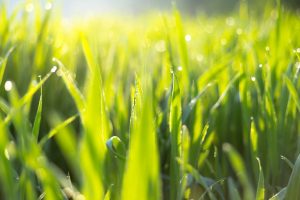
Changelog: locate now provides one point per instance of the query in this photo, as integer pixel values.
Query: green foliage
(155, 108)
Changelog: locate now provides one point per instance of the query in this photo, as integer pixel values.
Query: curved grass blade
(293, 91)
(175, 134)
(117, 147)
(57, 129)
(238, 165)
(3, 63)
(141, 181)
(193, 102)
(292, 189)
(71, 86)
(260, 192)
(237, 77)
(27, 97)
(38, 117)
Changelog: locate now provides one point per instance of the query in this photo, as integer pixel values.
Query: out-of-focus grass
(155, 107)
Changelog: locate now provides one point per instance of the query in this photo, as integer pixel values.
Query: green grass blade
(293, 91)
(141, 181)
(3, 63)
(236, 78)
(175, 124)
(260, 192)
(292, 189)
(55, 130)
(71, 86)
(238, 166)
(280, 195)
(38, 117)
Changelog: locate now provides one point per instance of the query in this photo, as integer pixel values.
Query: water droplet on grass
(239, 31)
(8, 86)
(260, 65)
(54, 69)
(253, 79)
(160, 46)
(188, 38)
(230, 21)
(179, 68)
(48, 6)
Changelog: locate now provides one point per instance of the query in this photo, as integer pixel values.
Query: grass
(154, 107)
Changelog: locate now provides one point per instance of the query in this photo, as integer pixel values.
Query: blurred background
(78, 8)
(73, 7)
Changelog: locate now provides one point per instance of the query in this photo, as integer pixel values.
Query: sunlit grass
(149, 107)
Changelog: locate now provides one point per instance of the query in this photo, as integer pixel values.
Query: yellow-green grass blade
(56, 130)
(3, 63)
(240, 170)
(142, 178)
(71, 86)
(6, 171)
(293, 91)
(292, 189)
(38, 117)
(260, 192)
(175, 123)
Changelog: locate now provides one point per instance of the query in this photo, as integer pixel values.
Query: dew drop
(253, 79)
(6, 154)
(48, 6)
(230, 21)
(160, 46)
(267, 48)
(179, 68)
(188, 38)
(54, 69)
(8, 86)
(260, 65)
(239, 31)
(193, 101)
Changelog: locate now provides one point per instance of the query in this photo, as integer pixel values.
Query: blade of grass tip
(280, 195)
(238, 166)
(233, 190)
(108, 193)
(141, 181)
(237, 77)
(91, 60)
(199, 179)
(3, 63)
(193, 102)
(260, 192)
(27, 97)
(54, 131)
(175, 131)
(117, 147)
(288, 162)
(292, 190)
(38, 116)
(293, 91)
(71, 86)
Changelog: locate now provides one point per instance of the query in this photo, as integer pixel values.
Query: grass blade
(175, 134)
(38, 116)
(292, 189)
